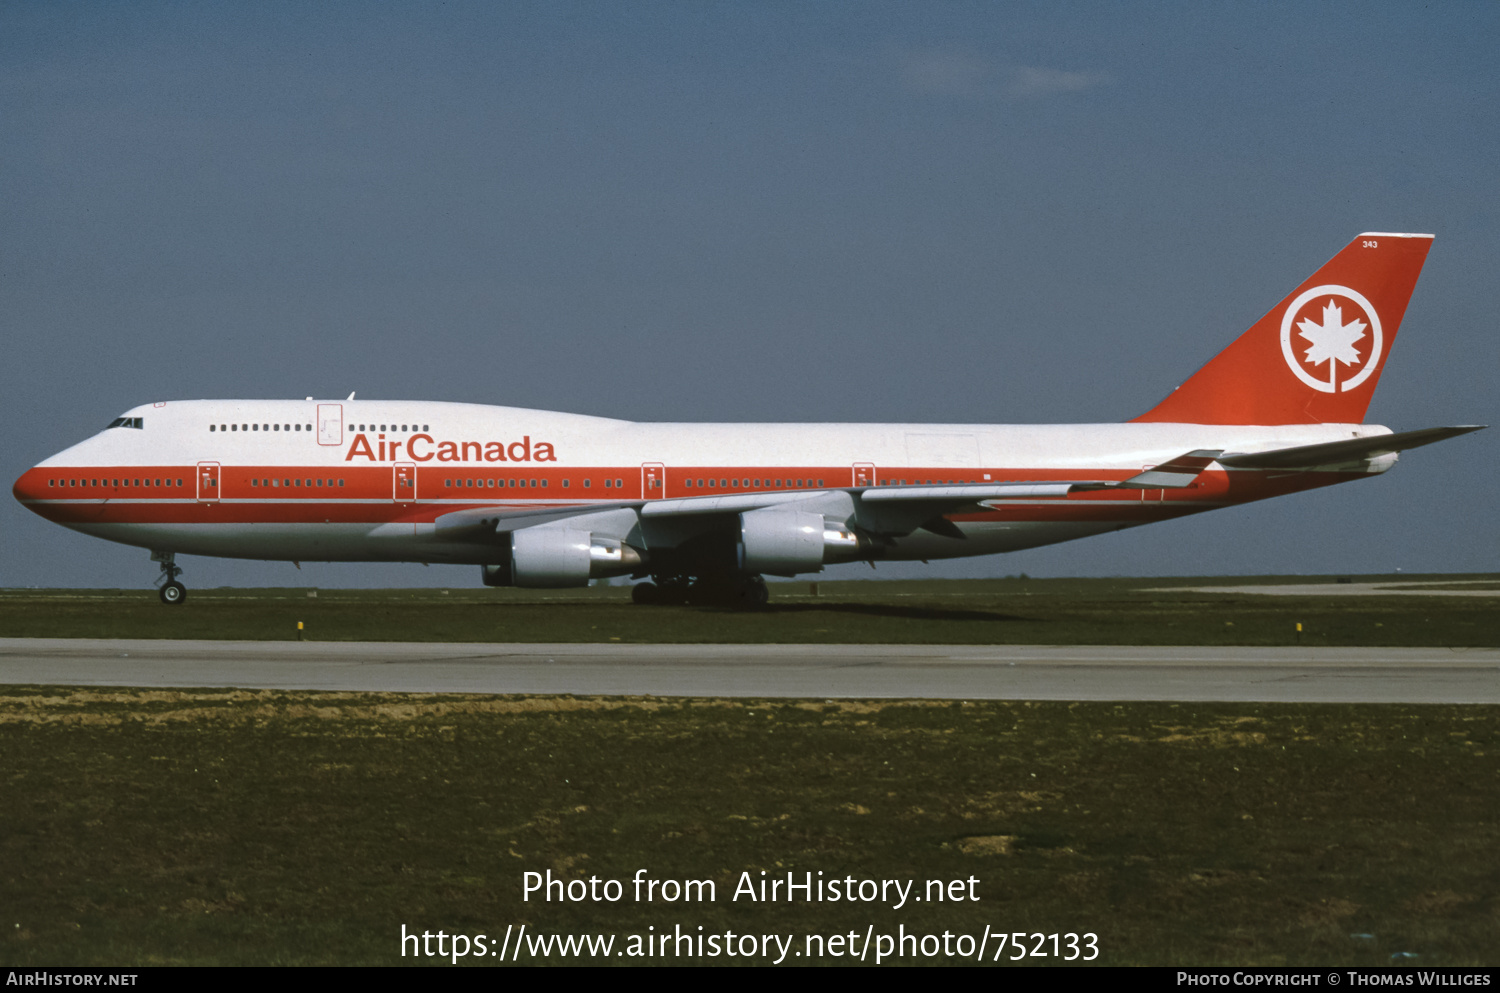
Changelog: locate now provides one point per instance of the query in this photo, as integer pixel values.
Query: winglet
(1316, 357)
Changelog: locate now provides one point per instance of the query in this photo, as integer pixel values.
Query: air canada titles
(423, 448)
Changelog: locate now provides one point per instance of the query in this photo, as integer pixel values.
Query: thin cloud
(955, 74)
(1034, 81)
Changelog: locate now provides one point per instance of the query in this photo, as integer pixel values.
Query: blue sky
(994, 213)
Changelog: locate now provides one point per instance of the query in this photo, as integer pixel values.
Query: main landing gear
(168, 588)
(742, 592)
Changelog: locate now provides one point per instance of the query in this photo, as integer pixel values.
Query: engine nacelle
(787, 542)
(553, 557)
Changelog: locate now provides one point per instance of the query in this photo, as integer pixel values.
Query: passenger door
(404, 482)
(653, 481)
(330, 424)
(208, 482)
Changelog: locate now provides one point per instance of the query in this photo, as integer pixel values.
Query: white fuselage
(369, 480)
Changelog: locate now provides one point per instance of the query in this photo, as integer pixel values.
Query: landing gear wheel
(644, 593)
(744, 593)
(167, 587)
(753, 593)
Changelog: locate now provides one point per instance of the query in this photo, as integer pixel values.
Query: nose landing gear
(168, 588)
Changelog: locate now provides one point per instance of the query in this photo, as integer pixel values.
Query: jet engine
(552, 557)
(787, 542)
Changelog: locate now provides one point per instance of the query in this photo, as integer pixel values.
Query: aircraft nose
(28, 488)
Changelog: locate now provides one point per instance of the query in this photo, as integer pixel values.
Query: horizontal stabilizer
(1336, 452)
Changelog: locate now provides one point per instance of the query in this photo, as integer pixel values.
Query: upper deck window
(127, 422)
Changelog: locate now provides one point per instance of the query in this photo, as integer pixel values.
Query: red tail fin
(1316, 357)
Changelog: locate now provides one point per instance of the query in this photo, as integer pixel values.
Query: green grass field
(224, 827)
(1001, 611)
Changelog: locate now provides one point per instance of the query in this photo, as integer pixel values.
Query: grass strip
(1009, 611)
(236, 827)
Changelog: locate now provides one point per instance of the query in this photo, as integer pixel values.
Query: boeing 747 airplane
(543, 499)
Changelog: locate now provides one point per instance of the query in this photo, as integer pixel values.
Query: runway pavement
(996, 672)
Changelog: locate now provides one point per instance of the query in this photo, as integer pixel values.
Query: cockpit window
(127, 422)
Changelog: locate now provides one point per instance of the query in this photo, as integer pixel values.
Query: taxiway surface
(976, 672)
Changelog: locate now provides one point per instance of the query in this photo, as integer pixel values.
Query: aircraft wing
(883, 509)
(898, 510)
(474, 523)
(730, 503)
(1341, 452)
(477, 521)
(516, 518)
(1175, 473)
